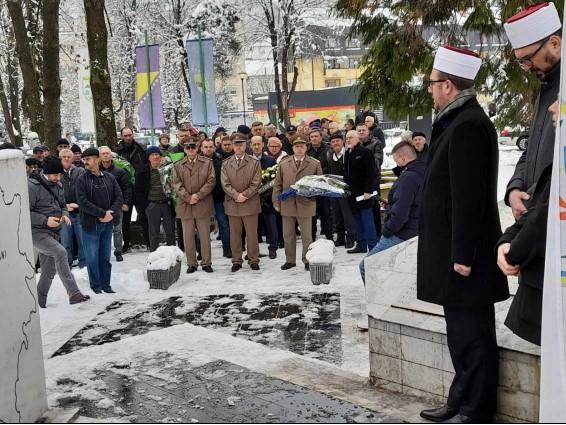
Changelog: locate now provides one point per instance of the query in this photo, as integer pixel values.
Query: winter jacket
(376, 148)
(96, 195)
(540, 149)
(377, 133)
(134, 153)
(43, 204)
(528, 248)
(335, 164)
(70, 184)
(360, 174)
(266, 161)
(218, 192)
(123, 181)
(320, 153)
(459, 217)
(423, 155)
(403, 201)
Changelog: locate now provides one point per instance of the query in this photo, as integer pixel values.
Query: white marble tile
(383, 342)
(422, 352)
(422, 378)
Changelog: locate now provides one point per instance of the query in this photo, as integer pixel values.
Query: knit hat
(244, 129)
(76, 149)
(417, 134)
(153, 149)
(337, 135)
(91, 152)
(532, 24)
(63, 142)
(38, 149)
(52, 166)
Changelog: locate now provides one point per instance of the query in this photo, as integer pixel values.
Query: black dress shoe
(108, 290)
(254, 266)
(191, 269)
(119, 257)
(97, 290)
(307, 267)
(349, 245)
(463, 419)
(207, 269)
(357, 250)
(272, 254)
(236, 267)
(288, 266)
(440, 414)
(339, 242)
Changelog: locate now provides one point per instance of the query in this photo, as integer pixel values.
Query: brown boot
(78, 298)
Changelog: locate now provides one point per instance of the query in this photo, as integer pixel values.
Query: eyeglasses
(190, 147)
(428, 82)
(527, 61)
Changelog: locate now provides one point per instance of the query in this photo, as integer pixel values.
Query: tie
(298, 162)
(238, 161)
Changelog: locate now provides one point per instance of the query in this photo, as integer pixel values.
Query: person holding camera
(48, 215)
(100, 201)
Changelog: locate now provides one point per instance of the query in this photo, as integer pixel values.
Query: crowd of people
(445, 193)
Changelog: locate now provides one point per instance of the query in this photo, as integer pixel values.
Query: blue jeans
(97, 244)
(67, 233)
(383, 244)
(270, 228)
(365, 228)
(223, 226)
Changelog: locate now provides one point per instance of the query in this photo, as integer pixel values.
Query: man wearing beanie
(150, 187)
(62, 144)
(100, 201)
(458, 229)
(418, 140)
(77, 156)
(535, 35)
(48, 215)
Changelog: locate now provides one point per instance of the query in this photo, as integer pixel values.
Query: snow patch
(164, 258)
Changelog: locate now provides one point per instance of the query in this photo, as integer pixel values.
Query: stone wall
(408, 348)
(22, 376)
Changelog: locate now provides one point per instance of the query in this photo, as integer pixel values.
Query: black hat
(315, 124)
(418, 133)
(38, 149)
(52, 166)
(220, 130)
(63, 142)
(32, 161)
(91, 152)
(291, 129)
(337, 135)
(244, 129)
(76, 149)
(45, 148)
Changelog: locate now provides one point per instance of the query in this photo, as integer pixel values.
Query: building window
(353, 62)
(233, 91)
(333, 83)
(332, 42)
(352, 42)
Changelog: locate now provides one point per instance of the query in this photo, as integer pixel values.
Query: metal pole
(203, 82)
(243, 101)
(148, 74)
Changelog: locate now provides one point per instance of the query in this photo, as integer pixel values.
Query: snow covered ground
(61, 321)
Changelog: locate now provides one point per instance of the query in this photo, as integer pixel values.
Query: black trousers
(343, 220)
(475, 357)
(157, 212)
(322, 212)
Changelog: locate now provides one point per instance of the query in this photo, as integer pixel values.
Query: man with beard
(535, 34)
(458, 229)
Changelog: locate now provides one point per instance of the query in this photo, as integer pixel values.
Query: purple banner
(147, 75)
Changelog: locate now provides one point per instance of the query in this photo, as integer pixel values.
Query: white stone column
(22, 375)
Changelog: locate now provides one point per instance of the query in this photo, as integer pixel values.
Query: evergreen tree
(403, 35)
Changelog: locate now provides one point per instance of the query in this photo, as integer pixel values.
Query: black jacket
(403, 203)
(142, 186)
(540, 149)
(377, 133)
(423, 155)
(459, 217)
(95, 196)
(135, 154)
(70, 184)
(376, 147)
(218, 192)
(335, 167)
(320, 153)
(287, 146)
(123, 181)
(266, 161)
(528, 246)
(360, 175)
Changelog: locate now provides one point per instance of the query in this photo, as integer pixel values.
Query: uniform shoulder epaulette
(205, 157)
(251, 156)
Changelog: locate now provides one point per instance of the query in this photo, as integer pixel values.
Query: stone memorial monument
(22, 376)
(408, 347)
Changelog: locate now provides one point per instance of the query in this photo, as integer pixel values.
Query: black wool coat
(459, 219)
(360, 174)
(527, 237)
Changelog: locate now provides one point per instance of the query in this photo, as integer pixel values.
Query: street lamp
(243, 76)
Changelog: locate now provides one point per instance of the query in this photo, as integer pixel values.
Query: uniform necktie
(298, 162)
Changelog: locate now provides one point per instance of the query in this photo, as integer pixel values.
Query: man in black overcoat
(458, 229)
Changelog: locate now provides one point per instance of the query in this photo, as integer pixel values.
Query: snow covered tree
(289, 28)
(402, 36)
(100, 81)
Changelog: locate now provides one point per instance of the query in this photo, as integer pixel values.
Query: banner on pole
(553, 339)
(86, 104)
(149, 96)
(203, 90)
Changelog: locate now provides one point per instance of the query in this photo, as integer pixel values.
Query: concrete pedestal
(408, 348)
